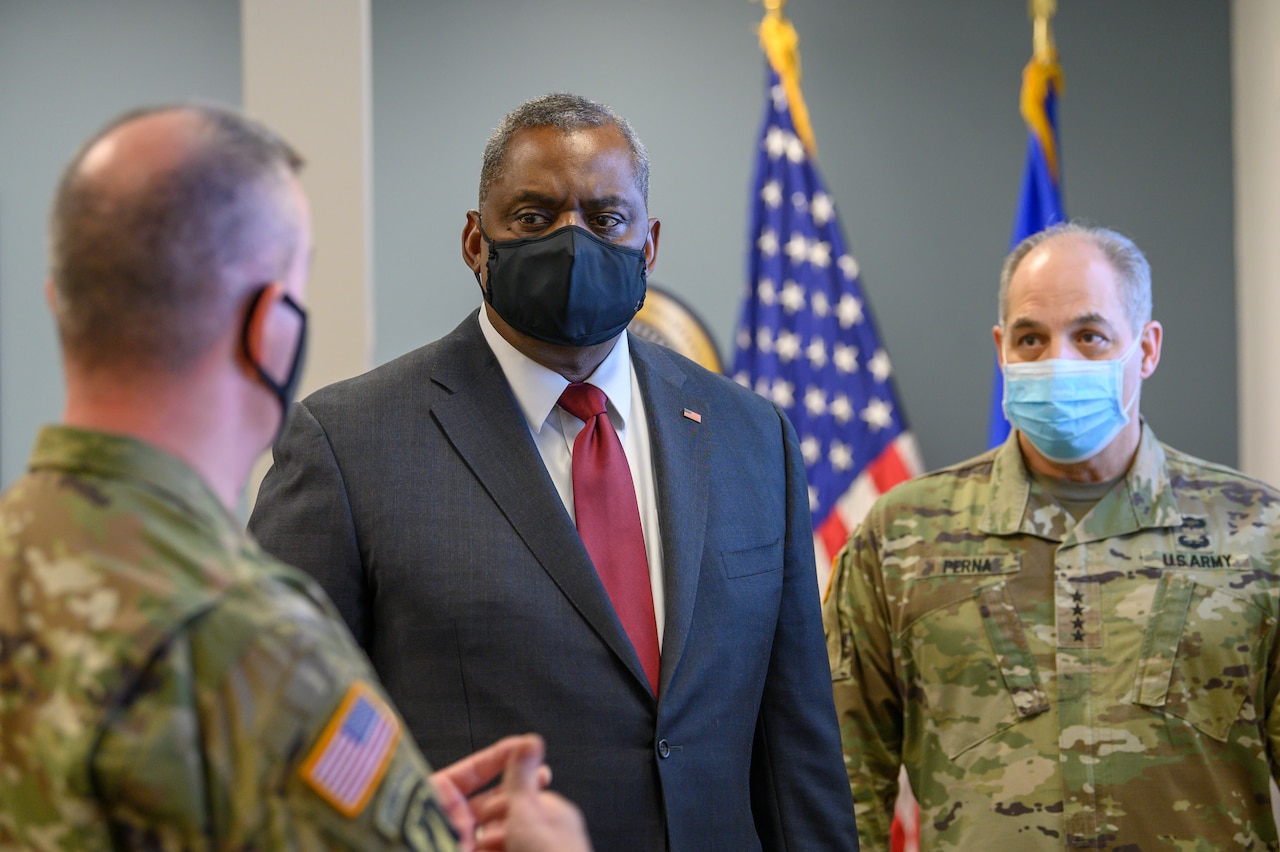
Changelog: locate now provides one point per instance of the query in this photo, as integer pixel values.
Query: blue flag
(1040, 201)
(807, 340)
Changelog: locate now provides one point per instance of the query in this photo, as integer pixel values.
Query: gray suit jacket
(416, 496)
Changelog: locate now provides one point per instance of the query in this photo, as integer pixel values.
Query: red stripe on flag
(833, 533)
(888, 469)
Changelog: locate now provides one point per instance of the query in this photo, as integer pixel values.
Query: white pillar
(1255, 43)
(306, 67)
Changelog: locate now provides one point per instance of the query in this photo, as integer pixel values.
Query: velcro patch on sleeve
(352, 754)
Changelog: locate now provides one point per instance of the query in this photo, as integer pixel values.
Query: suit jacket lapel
(483, 422)
(681, 469)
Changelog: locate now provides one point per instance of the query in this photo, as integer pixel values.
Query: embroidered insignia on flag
(347, 763)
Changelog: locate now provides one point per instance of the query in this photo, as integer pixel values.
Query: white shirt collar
(537, 388)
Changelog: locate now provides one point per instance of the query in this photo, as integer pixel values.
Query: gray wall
(914, 105)
(66, 68)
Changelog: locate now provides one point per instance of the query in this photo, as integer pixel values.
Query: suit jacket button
(664, 749)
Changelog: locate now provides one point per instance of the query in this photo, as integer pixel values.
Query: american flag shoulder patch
(352, 754)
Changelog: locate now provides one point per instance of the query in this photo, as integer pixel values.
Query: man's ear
(1152, 340)
(651, 246)
(997, 334)
(473, 254)
(256, 324)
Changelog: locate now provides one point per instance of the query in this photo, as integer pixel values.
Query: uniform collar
(120, 457)
(1142, 499)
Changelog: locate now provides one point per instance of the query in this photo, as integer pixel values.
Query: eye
(530, 219)
(606, 222)
(1027, 340)
(1092, 338)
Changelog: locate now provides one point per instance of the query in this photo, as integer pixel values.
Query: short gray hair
(565, 112)
(1125, 258)
(151, 276)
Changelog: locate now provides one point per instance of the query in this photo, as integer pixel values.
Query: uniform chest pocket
(1200, 653)
(973, 666)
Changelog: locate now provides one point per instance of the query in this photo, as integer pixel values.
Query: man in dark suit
(674, 662)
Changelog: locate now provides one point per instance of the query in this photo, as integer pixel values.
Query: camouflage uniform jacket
(1049, 684)
(164, 684)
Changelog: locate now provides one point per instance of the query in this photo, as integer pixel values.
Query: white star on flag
(768, 243)
(775, 142)
(771, 194)
(817, 353)
(792, 297)
(787, 345)
(841, 408)
(841, 455)
(848, 266)
(797, 247)
(783, 393)
(811, 449)
(815, 400)
(820, 254)
(764, 339)
(879, 365)
(819, 304)
(822, 208)
(849, 311)
(845, 358)
(878, 414)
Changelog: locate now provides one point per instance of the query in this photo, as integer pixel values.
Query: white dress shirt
(537, 390)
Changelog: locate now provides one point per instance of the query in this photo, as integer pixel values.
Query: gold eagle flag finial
(1041, 12)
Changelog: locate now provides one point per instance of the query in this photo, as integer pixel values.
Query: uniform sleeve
(798, 793)
(865, 684)
(261, 726)
(302, 517)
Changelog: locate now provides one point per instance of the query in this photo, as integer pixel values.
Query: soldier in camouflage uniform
(164, 684)
(1071, 640)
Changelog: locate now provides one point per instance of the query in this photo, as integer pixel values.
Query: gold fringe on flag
(781, 44)
(1042, 72)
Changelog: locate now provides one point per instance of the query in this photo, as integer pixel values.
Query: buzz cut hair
(1124, 256)
(150, 277)
(566, 112)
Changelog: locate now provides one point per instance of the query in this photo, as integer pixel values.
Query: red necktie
(604, 499)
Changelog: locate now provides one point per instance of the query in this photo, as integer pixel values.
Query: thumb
(521, 776)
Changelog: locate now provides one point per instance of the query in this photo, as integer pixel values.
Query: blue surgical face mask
(1069, 409)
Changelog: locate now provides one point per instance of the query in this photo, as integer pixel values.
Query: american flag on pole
(348, 761)
(806, 338)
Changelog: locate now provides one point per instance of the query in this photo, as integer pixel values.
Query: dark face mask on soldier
(285, 389)
(568, 287)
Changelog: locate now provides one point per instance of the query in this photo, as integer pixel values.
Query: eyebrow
(604, 202)
(1091, 318)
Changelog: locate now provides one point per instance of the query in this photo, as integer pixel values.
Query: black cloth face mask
(569, 287)
(284, 390)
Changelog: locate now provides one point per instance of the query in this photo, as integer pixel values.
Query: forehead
(1064, 278)
(590, 161)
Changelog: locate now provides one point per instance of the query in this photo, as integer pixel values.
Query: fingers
(523, 762)
(481, 768)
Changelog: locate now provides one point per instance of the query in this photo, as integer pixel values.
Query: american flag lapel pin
(690, 414)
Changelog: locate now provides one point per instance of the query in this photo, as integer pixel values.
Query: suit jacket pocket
(752, 560)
